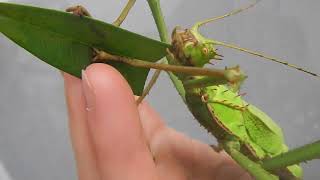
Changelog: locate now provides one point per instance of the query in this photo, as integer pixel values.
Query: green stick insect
(212, 95)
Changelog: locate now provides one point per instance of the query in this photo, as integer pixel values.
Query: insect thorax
(191, 49)
(180, 37)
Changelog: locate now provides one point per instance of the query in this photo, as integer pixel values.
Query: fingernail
(88, 91)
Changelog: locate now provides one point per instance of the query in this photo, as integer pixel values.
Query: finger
(173, 152)
(120, 145)
(190, 158)
(81, 143)
(150, 120)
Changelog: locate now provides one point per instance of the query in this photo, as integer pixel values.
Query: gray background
(34, 142)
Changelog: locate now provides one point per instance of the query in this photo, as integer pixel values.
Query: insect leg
(79, 11)
(146, 91)
(153, 80)
(235, 79)
(124, 13)
(229, 75)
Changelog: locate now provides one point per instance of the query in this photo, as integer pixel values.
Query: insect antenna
(265, 57)
(195, 29)
(234, 12)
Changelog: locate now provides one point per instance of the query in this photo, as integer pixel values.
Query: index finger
(119, 141)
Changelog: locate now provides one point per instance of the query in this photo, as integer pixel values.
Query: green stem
(162, 28)
(295, 156)
(253, 168)
(159, 20)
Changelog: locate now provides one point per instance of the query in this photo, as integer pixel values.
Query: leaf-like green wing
(263, 130)
(64, 40)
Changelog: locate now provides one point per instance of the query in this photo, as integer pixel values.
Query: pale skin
(113, 138)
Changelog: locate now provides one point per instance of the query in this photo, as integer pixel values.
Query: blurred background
(34, 139)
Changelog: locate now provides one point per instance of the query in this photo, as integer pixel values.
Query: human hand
(115, 139)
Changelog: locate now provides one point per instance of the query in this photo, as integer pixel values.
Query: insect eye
(205, 51)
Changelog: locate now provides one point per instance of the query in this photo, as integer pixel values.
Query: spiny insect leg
(204, 82)
(234, 74)
(229, 75)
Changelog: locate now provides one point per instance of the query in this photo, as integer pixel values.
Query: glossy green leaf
(88, 31)
(64, 40)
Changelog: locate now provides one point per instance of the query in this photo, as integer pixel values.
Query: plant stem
(159, 20)
(295, 156)
(253, 168)
(162, 28)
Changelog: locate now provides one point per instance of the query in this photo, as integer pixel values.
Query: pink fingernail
(88, 91)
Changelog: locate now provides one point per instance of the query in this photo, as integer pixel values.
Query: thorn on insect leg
(219, 55)
(225, 91)
(220, 59)
(241, 94)
(211, 63)
(231, 105)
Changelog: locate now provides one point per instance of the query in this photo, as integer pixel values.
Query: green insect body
(223, 112)
(229, 118)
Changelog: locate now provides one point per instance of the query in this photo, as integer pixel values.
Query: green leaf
(64, 40)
